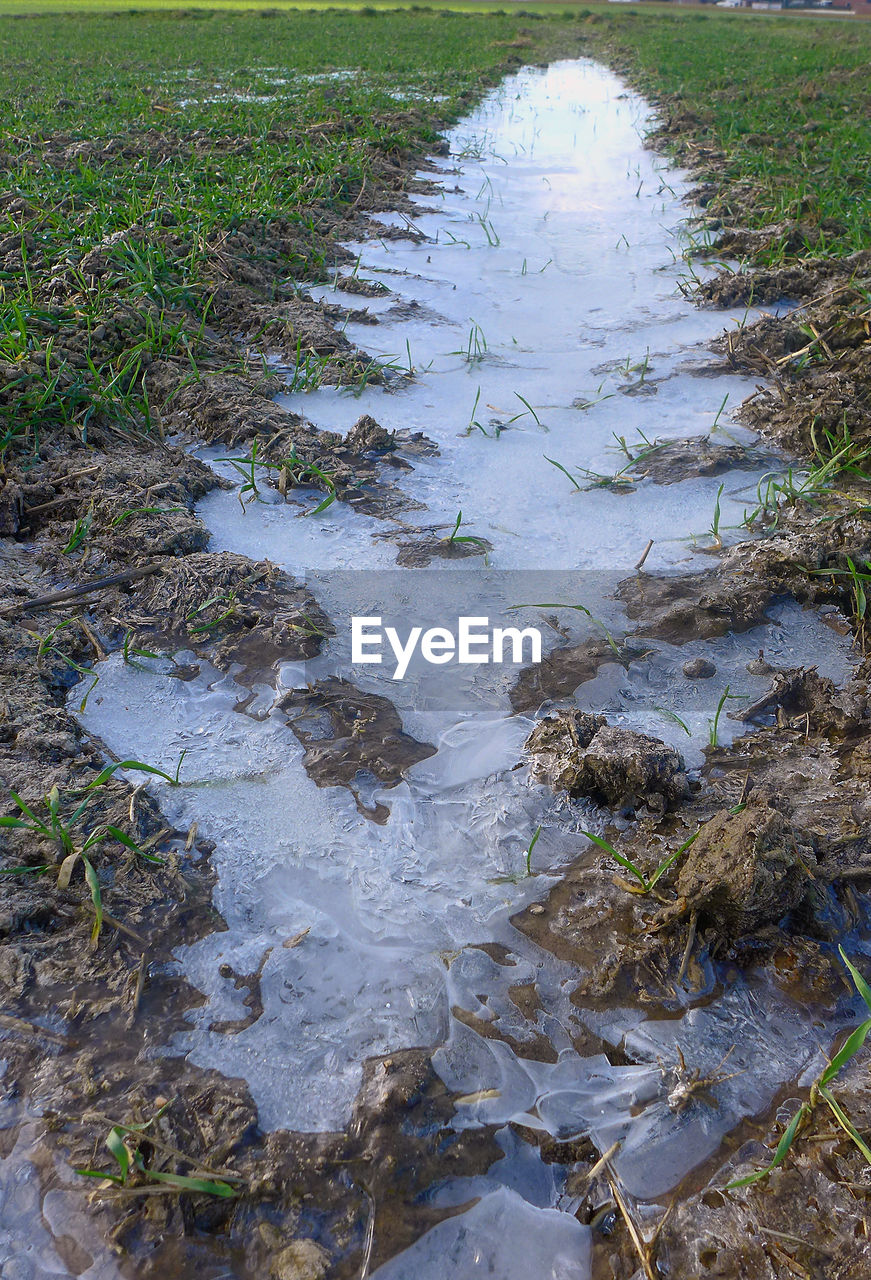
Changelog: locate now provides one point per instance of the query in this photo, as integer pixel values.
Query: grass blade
(322, 506)
(131, 844)
(861, 985)
(559, 466)
(96, 898)
(529, 848)
(130, 764)
(672, 858)
(116, 1144)
(668, 714)
(848, 1049)
(29, 813)
(618, 857)
(780, 1154)
(845, 1122)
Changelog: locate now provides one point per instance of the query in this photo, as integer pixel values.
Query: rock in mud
(580, 753)
(699, 669)
(760, 666)
(300, 1260)
(744, 871)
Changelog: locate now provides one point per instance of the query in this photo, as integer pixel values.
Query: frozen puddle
(549, 279)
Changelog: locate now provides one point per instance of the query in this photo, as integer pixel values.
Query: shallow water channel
(542, 317)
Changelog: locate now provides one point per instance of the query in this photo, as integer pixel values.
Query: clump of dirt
(122, 493)
(796, 280)
(772, 844)
(697, 456)
(237, 413)
(421, 552)
(744, 871)
(349, 736)
(582, 754)
(694, 606)
(819, 358)
(364, 288)
(804, 558)
(419, 546)
(226, 607)
(804, 692)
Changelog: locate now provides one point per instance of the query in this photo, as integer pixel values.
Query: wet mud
(350, 737)
(583, 755)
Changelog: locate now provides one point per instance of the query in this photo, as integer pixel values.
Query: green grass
(456, 537)
(644, 884)
(124, 1142)
(189, 135)
(72, 844)
(194, 132)
(788, 101)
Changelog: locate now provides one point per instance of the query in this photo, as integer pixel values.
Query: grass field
(173, 129)
(188, 135)
(787, 101)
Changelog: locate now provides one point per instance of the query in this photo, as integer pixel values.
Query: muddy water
(542, 317)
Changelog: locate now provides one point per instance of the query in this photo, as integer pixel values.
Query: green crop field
(188, 123)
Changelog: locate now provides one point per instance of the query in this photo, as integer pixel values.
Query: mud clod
(227, 607)
(363, 288)
(580, 753)
(678, 460)
(745, 871)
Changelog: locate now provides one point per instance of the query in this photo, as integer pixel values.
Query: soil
(351, 737)
(583, 755)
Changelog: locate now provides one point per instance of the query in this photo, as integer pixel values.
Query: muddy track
(802, 779)
(133, 499)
